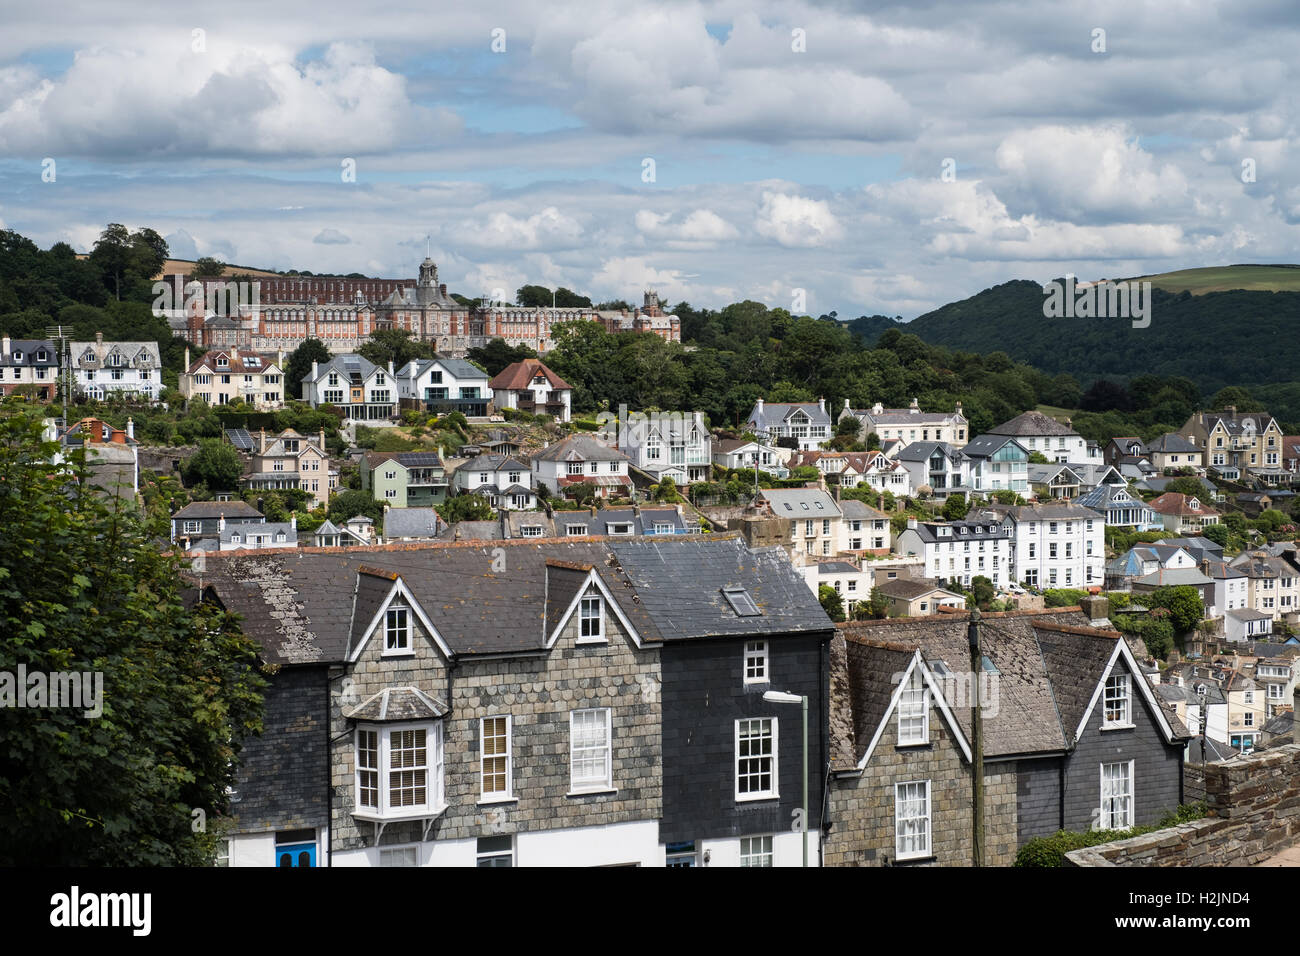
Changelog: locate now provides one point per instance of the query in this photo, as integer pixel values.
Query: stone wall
(538, 691)
(160, 459)
(862, 807)
(1255, 807)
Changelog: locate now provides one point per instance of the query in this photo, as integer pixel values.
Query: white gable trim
(594, 580)
(399, 588)
(1136, 677)
(939, 701)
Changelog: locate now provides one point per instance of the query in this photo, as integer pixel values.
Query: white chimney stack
(130, 429)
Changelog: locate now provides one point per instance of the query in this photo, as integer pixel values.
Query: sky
(857, 157)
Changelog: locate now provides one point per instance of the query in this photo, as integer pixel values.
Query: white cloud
(796, 220)
(698, 227)
(331, 237)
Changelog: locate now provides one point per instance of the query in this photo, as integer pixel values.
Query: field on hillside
(1259, 278)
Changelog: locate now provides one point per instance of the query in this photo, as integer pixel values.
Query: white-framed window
(912, 820)
(590, 750)
(1116, 796)
(756, 662)
(397, 629)
(574, 468)
(756, 766)
(1249, 718)
(1117, 702)
(399, 770)
(591, 619)
(192, 527)
(1248, 695)
(496, 758)
(390, 492)
(495, 851)
(399, 856)
(756, 851)
(913, 712)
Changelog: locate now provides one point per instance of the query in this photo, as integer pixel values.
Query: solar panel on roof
(240, 438)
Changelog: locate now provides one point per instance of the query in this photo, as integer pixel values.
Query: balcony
(541, 408)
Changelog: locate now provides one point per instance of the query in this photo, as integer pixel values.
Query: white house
(506, 482)
(850, 582)
(363, 390)
(960, 550)
(814, 521)
(910, 424)
(997, 463)
(735, 453)
(101, 369)
(939, 466)
(668, 444)
(1044, 434)
(1054, 544)
(530, 386)
(445, 385)
(806, 422)
(581, 459)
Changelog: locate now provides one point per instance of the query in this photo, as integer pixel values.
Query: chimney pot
(99, 338)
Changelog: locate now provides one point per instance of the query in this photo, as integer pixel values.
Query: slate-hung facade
(1073, 737)
(504, 704)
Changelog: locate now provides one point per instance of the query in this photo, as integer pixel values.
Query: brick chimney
(99, 338)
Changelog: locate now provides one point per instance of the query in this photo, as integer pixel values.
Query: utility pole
(977, 742)
(61, 332)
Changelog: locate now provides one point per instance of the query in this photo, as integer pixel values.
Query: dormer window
(223, 362)
(397, 629)
(591, 620)
(18, 358)
(42, 356)
(1117, 702)
(913, 712)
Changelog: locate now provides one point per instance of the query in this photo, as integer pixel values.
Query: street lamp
(780, 697)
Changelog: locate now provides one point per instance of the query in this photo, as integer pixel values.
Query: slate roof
(1049, 662)
(217, 509)
(399, 703)
(100, 351)
(493, 463)
(30, 348)
(1044, 511)
(353, 368)
(868, 678)
(459, 368)
(776, 413)
(412, 523)
(1033, 423)
(837, 567)
(1193, 543)
(1280, 723)
(1172, 577)
(580, 448)
(909, 589)
(1172, 443)
(856, 510)
(923, 450)
(977, 529)
(800, 503)
(681, 583)
(986, 446)
(1215, 749)
(240, 361)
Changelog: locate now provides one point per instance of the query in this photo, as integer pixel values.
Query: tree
(848, 425)
(351, 503)
(1191, 487)
(533, 296)
(208, 268)
(1038, 458)
(666, 490)
(831, 602)
(1217, 533)
(1184, 604)
(216, 465)
(84, 591)
(983, 591)
(466, 508)
(396, 346)
(298, 365)
(497, 355)
(954, 509)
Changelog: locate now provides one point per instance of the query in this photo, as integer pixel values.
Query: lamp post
(780, 697)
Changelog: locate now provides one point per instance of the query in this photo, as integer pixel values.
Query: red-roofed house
(1183, 514)
(532, 387)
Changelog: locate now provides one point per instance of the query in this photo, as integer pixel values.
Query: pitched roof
(412, 523)
(800, 502)
(1175, 503)
(986, 446)
(580, 447)
(217, 509)
(1033, 423)
(521, 374)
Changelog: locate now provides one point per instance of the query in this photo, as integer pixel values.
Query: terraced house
(1235, 442)
(29, 362)
(524, 704)
(909, 425)
(1073, 736)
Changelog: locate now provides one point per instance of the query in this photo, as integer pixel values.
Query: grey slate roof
(800, 502)
(908, 589)
(580, 447)
(681, 583)
(1033, 423)
(459, 368)
(217, 509)
(856, 510)
(986, 446)
(412, 523)
(1172, 442)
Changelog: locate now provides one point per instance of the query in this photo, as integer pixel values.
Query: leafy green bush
(1063, 597)
(1051, 850)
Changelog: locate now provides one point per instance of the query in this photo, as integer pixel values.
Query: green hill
(1216, 339)
(1254, 278)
